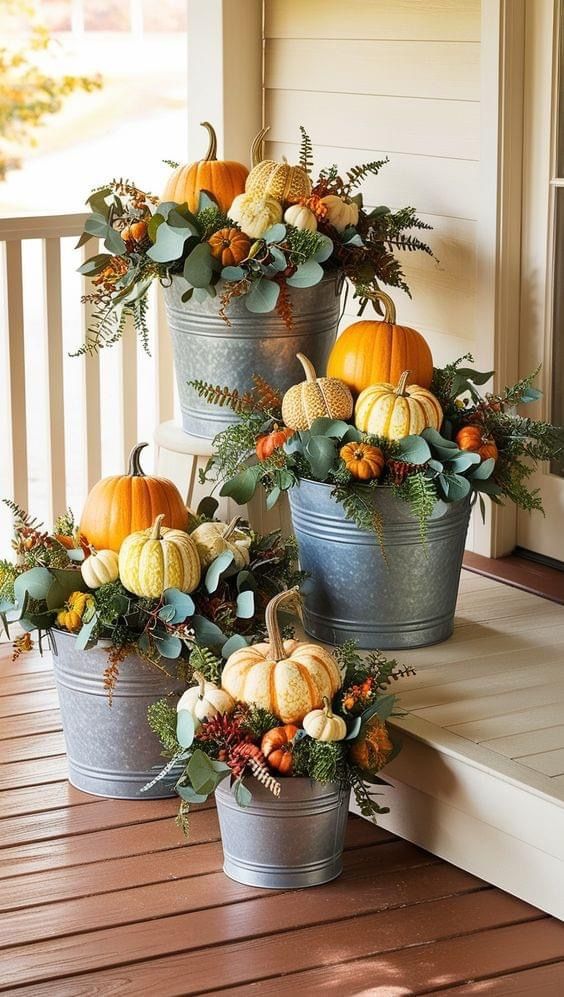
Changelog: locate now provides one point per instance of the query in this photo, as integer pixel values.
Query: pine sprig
(162, 721)
(306, 151)
(322, 761)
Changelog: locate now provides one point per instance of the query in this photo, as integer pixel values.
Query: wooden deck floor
(104, 897)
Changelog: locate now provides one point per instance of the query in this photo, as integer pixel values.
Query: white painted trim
(225, 67)
(41, 226)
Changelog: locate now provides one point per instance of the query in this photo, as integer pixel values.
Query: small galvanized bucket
(295, 840)
(111, 751)
(406, 598)
(206, 348)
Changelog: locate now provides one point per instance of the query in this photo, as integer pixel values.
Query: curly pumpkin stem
(211, 154)
(400, 390)
(257, 146)
(271, 619)
(156, 530)
(384, 299)
(309, 369)
(134, 469)
(231, 527)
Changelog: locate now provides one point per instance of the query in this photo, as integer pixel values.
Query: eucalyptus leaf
(413, 450)
(243, 796)
(168, 645)
(36, 582)
(455, 486)
(166, 614)
(246, 605)
(263, 296)
(435, 439)
(207, 507)
(169, 244)
(190, 795)
(484, 470)
(272, 497)
(324, 426)
(207, 633)
(216, 569)
(322, 456)
(279, 261)
(153, 224)
(185, 728)
(202, 771)
(65, 581)
(246, 580)
(324, 250)
(276, 233)
(95, 265)
(232, 273)
(463, 461)
(307, 275)
(235, 643)
(353, 729)
(206, 200)
(352, 435)
(181, 604)
(198, 267)
(87, 635)
(242, 486)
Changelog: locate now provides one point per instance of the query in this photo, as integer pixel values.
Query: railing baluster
(55, 397)
(91, 389)
(128, 349)
(165, 370)
(16, 373)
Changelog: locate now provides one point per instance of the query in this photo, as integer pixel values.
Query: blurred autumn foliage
(30, 88)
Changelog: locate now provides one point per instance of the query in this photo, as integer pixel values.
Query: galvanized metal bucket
(406, 598)
(295, 840)
(207, 349)
(111, 751)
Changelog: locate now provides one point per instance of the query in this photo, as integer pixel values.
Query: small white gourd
(254, 215)
(205, 700)
(100, 569)
(324, 725)
(301, 217)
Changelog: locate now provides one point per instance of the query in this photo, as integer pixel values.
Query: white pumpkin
(205, 700)
(255, 214)
(100, 569)
(213, 539)
(323, 725)
(340, 213)
(301, 217)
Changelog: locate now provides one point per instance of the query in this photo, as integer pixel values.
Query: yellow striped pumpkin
(151, 561)
(289, 678)
(393, 413)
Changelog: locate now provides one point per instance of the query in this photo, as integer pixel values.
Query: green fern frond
(23, 519)
(420, 494)
(357, 174)
(203, 660)
(306, 151)
(214, 394)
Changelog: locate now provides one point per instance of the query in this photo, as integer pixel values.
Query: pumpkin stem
(230, 529)
(201, 682)
(384, 299)
(400, 390)
(308, 367)
(212, 148)
(327, 708)
(134, 469)
(257, 146)
(271, 618)
(156, 531)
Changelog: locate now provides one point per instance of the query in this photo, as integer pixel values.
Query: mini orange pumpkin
(223, 179)
(229, 246)
(266, 445)
(364, 461)
(277, 745)
(476, 439)
(378, 351)
(126, 503)
(134, 234)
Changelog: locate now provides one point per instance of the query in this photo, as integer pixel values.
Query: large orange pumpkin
(126, 503)
(222, 178)
(377, 352)
(476, 439)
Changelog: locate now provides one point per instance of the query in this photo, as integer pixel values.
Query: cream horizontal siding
(400, 79)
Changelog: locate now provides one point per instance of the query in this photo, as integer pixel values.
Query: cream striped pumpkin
(153, 560)
(289, 678)
(393, 413)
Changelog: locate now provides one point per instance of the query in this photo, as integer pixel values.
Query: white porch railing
(45, 426)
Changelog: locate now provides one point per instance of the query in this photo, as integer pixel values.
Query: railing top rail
(46, 226)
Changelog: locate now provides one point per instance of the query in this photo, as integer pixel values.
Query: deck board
(105, 896)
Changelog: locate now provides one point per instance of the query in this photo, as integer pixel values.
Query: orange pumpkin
(476, 439)
(277, 745)
(364, 461)
(376, 352)
(223, 179)
(229, 246)
(124, 504)
(266, 445)
(134, 234)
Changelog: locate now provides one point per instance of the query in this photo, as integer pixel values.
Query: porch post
(499, 225)
(224, 75)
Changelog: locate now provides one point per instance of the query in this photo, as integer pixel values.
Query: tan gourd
(213, 539)
(255, 213)
(340, 213)
(288, 184)
(395, 412)
(205, 700)
(323, 725)
(100, 569)
(287, 677)
(314, 398)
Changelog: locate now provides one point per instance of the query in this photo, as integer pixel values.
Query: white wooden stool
(180, 457)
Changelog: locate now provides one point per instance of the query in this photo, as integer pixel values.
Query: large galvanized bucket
(406, 598)
(207, 349)
(294, 840)
(111, 750)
